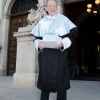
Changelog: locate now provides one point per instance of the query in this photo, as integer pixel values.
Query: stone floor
(80, 90)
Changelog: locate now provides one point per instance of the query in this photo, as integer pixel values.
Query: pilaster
(26, 61)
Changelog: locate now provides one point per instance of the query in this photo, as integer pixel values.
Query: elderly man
(53, 65)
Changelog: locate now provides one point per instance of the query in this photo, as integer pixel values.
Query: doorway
(18, 19)
(89, 47)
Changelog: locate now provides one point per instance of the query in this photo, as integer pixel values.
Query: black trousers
(60, 95)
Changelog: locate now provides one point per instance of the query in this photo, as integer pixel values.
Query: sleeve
(66, 43)
(36, 45)
(69, 25)
(35, 32)
(67, 38)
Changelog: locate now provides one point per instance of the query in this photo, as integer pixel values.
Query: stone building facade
(17, 51)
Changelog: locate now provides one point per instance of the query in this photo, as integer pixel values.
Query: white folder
(48, 43)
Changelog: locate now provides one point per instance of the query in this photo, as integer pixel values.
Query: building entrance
(18, 19)
(89, 47)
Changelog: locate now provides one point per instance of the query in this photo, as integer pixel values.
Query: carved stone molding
(6, 15)
(8, 6)
(23, 36)
(4, 3)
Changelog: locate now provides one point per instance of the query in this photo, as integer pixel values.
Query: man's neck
(52, 15)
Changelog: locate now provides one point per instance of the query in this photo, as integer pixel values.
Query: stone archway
(8, 6)
(4, 32)
(83, 17)
(6, 13)
(7, 24)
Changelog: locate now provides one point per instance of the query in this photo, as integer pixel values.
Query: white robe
(59, 25)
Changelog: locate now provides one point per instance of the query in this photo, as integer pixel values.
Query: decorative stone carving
(6, 15)
(8, 6)
(60, 2)
(43, 11)
(36, 15)
(33, 18)
(44, 2)
(4, 2)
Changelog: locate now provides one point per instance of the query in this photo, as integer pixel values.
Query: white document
(48, 43)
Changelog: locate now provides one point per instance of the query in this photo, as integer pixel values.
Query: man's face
(51, 7)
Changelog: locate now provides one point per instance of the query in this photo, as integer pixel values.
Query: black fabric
(53, 70)
(61, 95)
(69, 35)
(61, 48)
(39, 38)
(39, 49)
(44, 95)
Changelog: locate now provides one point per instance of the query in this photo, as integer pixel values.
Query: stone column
(26, 61)
(1, 2)
(41, 2)
(60, 6)
(0, 58)
(4, 43)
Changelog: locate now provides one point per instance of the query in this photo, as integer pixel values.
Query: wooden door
(15, 23)
(18, 19)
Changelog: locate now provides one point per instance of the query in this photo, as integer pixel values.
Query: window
(23, 5)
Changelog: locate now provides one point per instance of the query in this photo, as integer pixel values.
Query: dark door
(88, 56)
(89, 48)
(15, 23)
(18, 19)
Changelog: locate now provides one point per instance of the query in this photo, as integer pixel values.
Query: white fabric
(51, 17)
(57, 25)
(36, 44)
(53, 38)
(66, 43)
(61, 25)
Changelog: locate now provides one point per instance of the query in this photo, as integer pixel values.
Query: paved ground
(80, 90)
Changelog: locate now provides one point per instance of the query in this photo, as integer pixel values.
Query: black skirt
(53, 70)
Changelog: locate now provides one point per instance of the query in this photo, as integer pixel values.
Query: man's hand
(58, 45)
(41, 46)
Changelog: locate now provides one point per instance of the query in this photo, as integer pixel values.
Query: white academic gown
(60, 26)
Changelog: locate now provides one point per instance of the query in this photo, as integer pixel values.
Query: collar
(48, 17)
(52, 17)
